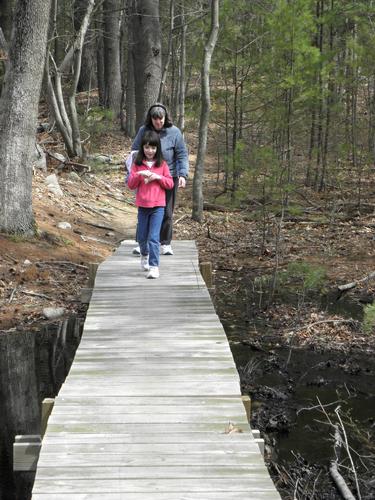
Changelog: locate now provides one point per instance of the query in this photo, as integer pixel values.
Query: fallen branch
(78, 166)
(316, 407)
(180, 219)
(337, 411)
(340, 482)
(353, 284)
(12, 295)
(218, 208)
(100, 226)
(334, 321)
(33, 294)
(61, 262)
(91, 209)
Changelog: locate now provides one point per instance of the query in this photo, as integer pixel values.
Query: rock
(64, 225)
(73, 176)
(39, 159)
(53, 185)
(43, 127)
(27, 262)
(58, 157)
(101, 158)
(53, 312)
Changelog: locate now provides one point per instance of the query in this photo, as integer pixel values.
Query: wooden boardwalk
(153, 391)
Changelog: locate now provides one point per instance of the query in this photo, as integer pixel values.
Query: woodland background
(277, 103)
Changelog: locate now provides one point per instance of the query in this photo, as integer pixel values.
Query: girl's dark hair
(158, 110)
(152, 138)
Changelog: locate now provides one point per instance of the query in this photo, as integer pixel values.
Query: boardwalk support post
(247, 404)
(47, 406)
(26, 450)
(206, 272)
(87, 292)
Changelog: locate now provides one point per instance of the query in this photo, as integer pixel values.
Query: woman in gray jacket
(175, 154)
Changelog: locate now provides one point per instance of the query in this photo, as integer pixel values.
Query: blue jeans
(148, 232)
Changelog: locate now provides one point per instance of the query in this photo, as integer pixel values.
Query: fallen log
(353, 284)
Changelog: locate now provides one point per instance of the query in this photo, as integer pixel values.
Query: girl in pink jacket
(150, 176)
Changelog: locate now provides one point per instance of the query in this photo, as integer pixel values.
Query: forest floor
(50, 269)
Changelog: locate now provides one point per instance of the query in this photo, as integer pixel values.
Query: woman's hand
(181, 182)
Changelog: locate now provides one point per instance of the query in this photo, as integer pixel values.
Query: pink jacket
(151, 194)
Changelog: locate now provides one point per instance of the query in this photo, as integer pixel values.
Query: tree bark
(18, 114)
(87, 78)
(130, 83)
(182, 75)
(197, 212)
(169, 51)
(6, 17)
(112, 73)
(147, 56)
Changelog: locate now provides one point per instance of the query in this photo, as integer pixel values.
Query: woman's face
(157, 122)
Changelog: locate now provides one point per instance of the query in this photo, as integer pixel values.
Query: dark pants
(167, 224)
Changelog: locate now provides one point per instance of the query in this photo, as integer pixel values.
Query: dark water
(51, 348)
(286, 383)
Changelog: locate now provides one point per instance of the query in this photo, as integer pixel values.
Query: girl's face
(149, 151)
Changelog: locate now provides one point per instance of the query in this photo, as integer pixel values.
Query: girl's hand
(145, 173)
(152, 177)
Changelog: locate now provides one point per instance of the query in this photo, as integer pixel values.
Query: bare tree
(182, 76)
(147, 56)
(168, 56)
(130, 79)
(67, 123)
(205, 112)
(112, 75)
(87, 77)
(18, 114)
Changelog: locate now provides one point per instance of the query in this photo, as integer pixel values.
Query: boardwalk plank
(151, 409)
(155, 495)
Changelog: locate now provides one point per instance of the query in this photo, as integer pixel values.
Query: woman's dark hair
(158, 110)
(152, 138)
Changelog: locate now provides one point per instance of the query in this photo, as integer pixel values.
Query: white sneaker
(153, 272)
(166, 250)
(144, 263)
(136, 251)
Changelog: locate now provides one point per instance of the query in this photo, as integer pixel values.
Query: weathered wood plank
(156, 495)
(145, 411)
(49, 460)
(216, 448)
(174, 428)
(217, 484)
(147, 437)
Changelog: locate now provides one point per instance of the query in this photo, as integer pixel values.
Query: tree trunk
(18, 114)
(169, 51)
(147, 56)
(205, 111)
(67, 123)
(6, 18)
(87, 78)
(182, 79)
(130, 83)
(112, 73)
(100, 57)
